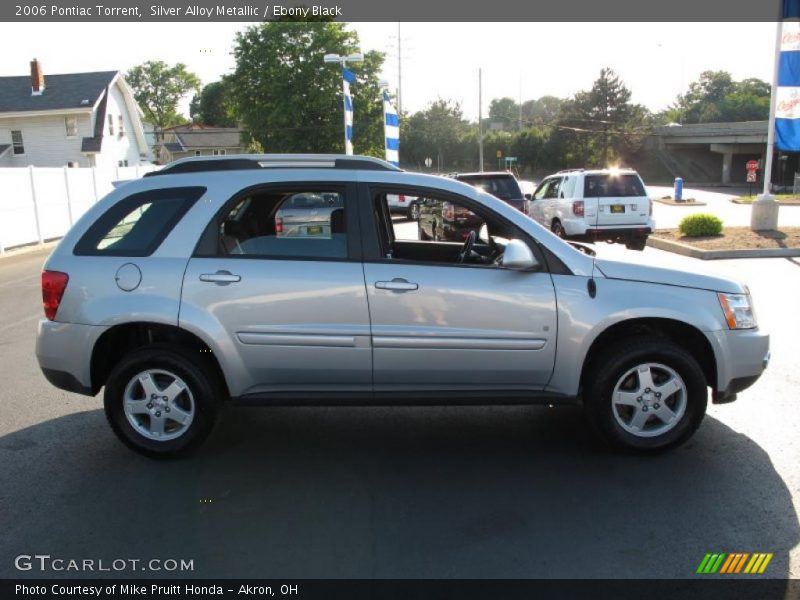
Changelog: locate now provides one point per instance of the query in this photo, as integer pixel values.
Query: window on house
(219, 152)
(71, 126)
(110, 124)
(122, 163)
(121, 126)
(16, 141)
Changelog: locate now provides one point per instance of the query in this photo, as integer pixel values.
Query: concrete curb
(28, 248)
(684, 203)
(686, 250)
(782, 203)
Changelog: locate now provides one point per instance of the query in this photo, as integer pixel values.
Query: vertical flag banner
(787, 106)
(347, 79)
(391, 125)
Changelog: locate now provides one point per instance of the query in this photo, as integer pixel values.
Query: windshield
(605, 186)
(504, 187)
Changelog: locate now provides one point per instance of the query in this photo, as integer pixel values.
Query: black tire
(557, 228)
(614, 363)
(413, 212)
(636, 244)
(197, 373)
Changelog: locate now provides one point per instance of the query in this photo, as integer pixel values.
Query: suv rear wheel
(161, 401)
(557, 228)
(645, 395)
(636, 243)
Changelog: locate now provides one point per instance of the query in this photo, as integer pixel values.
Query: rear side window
(285, 224)
(610, 185)
(137, 225)
(504, 187)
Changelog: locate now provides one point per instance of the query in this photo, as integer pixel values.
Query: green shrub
(700, 224)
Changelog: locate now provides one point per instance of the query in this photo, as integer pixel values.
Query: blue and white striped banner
(787, 93)
(391, 124)
(347, 78)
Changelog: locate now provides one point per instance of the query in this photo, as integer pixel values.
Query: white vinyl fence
(38, 204)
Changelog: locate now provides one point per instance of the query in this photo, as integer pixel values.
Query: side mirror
(528, 196)
(518, 257)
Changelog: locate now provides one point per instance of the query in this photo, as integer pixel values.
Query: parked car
(440, 220)
(307, 214)
(500, 184)
(595, 205)
(407, 205)
(174, 319)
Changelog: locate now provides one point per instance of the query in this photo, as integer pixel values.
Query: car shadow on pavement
(511, 492)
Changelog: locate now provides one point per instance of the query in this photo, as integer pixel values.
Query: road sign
(751, 177)
(751, 165)
(499, 154)
(428, 162)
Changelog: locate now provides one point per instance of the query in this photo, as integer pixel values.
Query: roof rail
(570, 171)
(240, 162)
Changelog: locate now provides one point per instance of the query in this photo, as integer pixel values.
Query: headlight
(738, 310)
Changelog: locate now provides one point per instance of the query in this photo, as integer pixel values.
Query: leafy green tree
(601, 124)
(159, 87)
(437, 132)
(214, 105)
(504, 112)
(289, 100)
(542, 111)
(715, 97)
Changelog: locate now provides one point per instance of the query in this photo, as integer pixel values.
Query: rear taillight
(577, 208)
(449, 211)
(53, 285)
(651, 206)
(402, 198)
(278, 225)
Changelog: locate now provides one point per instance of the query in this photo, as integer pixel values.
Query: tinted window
(504, 187)
(137, 225)
(604, 186)
(287, 224)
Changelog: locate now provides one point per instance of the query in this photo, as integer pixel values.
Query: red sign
(752, 165)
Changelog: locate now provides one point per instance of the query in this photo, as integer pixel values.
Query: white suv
(592, 205)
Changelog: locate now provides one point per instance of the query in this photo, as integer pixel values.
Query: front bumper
(742, 357)
(64, 352)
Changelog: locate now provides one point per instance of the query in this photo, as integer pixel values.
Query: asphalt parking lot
(403, 492)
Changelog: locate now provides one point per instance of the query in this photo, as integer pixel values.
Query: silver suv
(181, 291)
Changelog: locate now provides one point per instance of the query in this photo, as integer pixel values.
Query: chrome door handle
(396, 285)
(223, 277)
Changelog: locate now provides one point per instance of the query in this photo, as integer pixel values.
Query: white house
(198, 140)
(70, 119)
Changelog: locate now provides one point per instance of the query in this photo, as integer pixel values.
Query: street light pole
(343, 60)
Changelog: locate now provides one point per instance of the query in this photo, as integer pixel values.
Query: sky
(657, 61)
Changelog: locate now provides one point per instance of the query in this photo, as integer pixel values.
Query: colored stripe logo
(734, 563)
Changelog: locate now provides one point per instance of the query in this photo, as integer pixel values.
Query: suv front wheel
(645, 395)
(162, 401)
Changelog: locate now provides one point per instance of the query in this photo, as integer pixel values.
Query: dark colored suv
(440, 220)
(499, 184)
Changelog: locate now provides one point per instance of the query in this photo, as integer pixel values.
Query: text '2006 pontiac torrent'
(284, 279)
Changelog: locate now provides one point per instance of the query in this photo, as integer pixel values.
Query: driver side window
(437, 229)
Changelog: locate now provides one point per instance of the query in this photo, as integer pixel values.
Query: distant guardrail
(42, 203)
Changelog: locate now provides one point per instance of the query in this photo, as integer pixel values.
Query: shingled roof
(191, 137)
(65, 91)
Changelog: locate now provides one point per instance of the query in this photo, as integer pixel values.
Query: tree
(158, 88)
(290, 100)
(542, 111)
(437, 132)
(214, 105)
(504, 112)
(716, 97)
(602, 123)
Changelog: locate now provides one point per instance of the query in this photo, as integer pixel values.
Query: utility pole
(399, 71)
(520, 102)
(480, 120)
